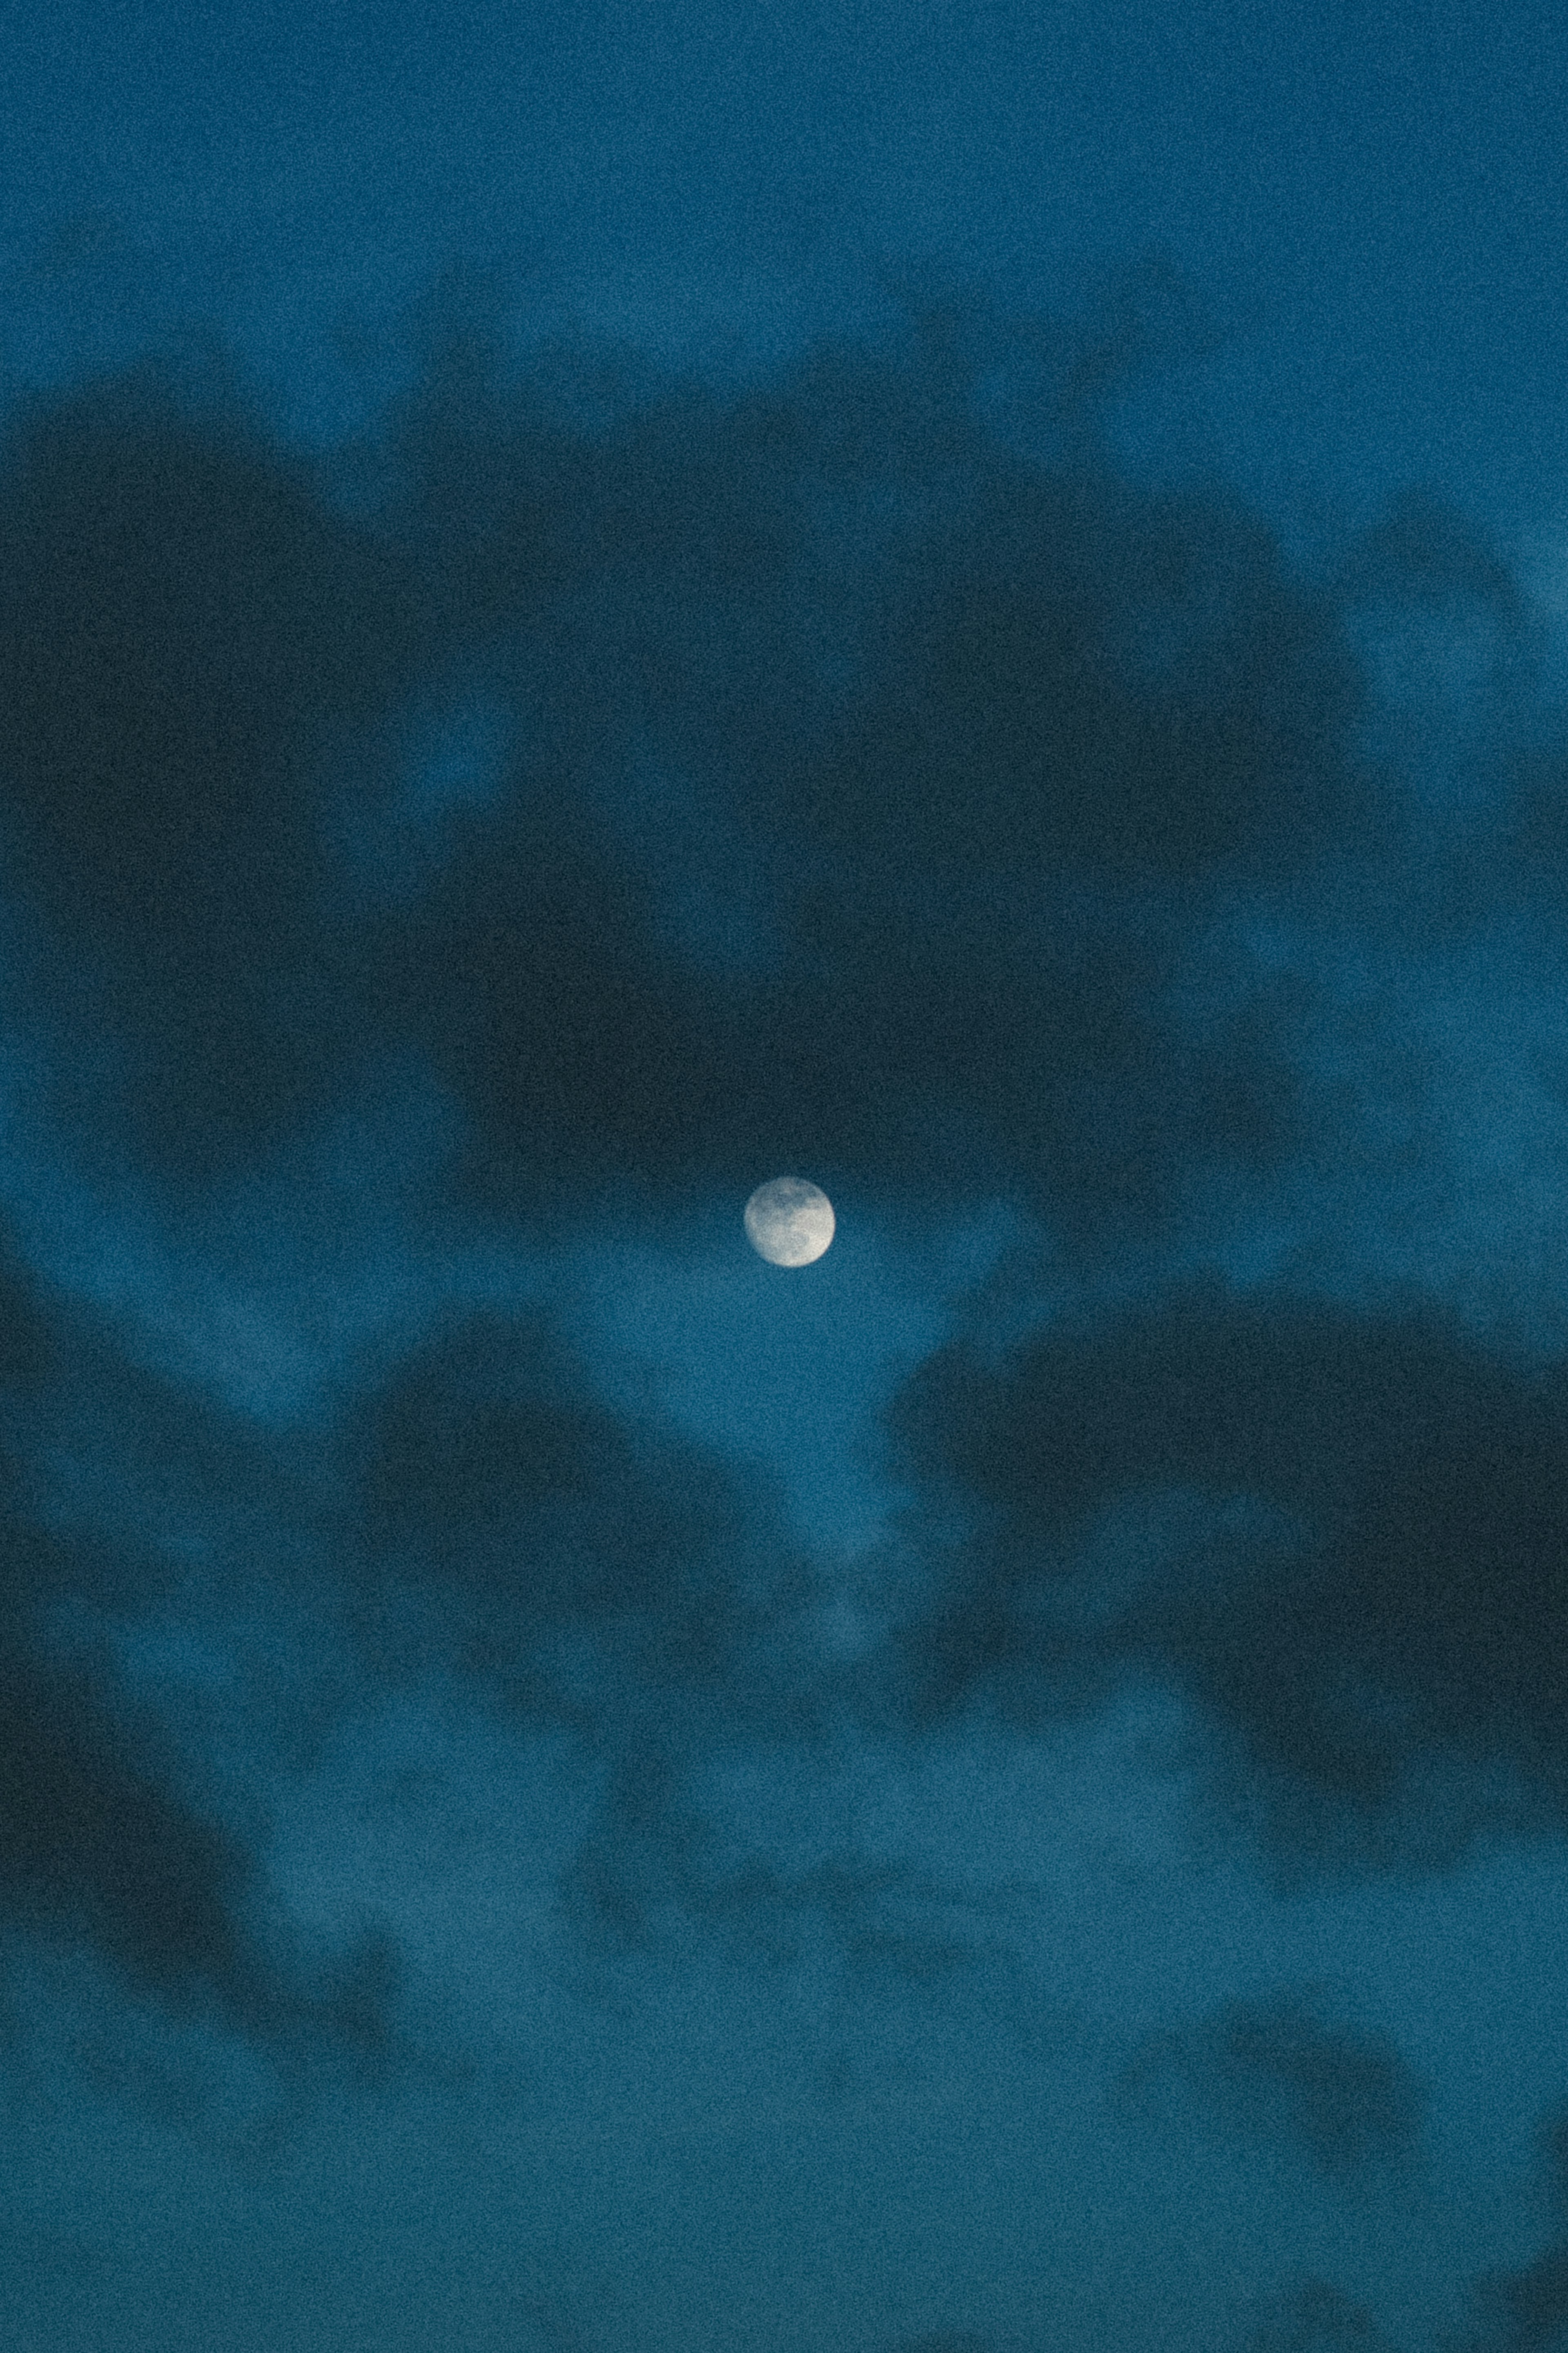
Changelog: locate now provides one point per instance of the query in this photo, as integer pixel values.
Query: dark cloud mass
(1069, 693)
(484, 1476)
(184, 628)
(109, 1840)
(1349, 1547)
(1282, 2068)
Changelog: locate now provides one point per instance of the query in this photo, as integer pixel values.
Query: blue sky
(970, 604)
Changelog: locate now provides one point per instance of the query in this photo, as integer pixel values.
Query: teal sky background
(970, 603)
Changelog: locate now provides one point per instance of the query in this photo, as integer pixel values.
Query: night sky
(970, 602)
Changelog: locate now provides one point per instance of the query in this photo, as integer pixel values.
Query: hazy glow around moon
(789, 1221)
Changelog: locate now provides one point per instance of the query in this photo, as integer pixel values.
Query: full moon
(789, 1221)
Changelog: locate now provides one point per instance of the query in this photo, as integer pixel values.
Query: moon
(789, 1221)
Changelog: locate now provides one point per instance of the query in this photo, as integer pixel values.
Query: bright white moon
(789, 1221)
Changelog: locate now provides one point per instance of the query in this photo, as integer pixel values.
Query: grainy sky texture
(969, 602)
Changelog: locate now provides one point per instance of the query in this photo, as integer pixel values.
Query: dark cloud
(115, 1843)
(483, 1472)
(1338, 1531)
(187, 629)
(943, 982)
(93, 1842)
(97, 1845)
(863, 779)
(1282, 2068)
(107, 1851)
(486, 1456)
